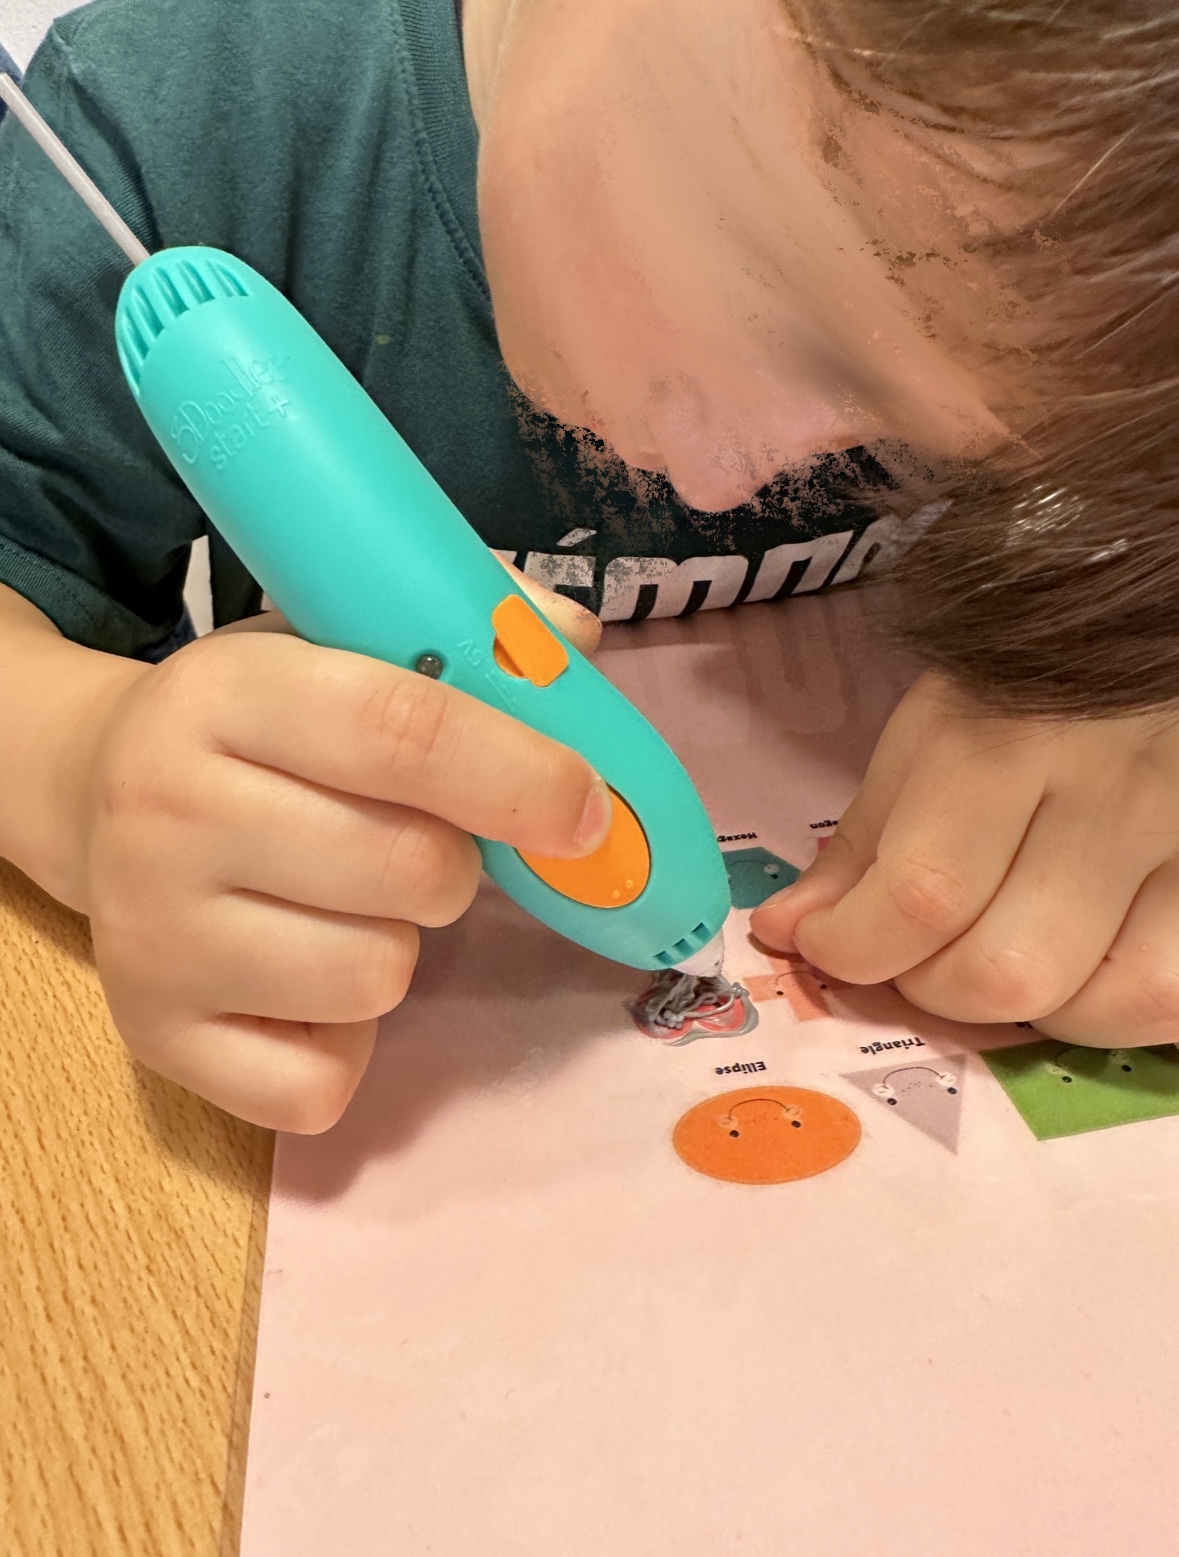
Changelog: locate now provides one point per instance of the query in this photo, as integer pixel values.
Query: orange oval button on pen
(613, 875)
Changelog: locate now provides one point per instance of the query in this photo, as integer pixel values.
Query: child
(777, 259)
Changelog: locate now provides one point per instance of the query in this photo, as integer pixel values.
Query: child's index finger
(362, 727)
(838, 868)
(944, 852)
(849, 852)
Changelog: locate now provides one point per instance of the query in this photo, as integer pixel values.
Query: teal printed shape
(1063, 1089)
(755, 874)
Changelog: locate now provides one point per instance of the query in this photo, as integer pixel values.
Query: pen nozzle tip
(708, 961)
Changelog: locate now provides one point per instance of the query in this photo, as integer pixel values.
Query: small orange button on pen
(524, 646)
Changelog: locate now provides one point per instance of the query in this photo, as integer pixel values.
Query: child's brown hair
(1051, 583)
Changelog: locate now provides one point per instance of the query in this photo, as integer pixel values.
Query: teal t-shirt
(330, 145)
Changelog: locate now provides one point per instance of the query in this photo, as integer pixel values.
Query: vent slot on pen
(682, 950)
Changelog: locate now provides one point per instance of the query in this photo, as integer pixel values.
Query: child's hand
(1005, 870)
(267, 823)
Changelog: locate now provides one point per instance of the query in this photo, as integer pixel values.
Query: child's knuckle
(124, 936)
(308, 1102)
(145, 785)
(199, 679)
(404, 861)
(1009, 983)
(1151, 1000)
(130, 793)
(424, 861)
(928, 896)
(406, 716)
(379, 975)
(452, 883)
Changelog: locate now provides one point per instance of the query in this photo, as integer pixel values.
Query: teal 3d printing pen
(360, 548)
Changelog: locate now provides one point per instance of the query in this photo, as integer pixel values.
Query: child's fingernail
(778, 897)
(596, 818)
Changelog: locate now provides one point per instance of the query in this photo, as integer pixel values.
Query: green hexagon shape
(755, 874)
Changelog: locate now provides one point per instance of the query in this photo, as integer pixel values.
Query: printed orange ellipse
(766, 1135)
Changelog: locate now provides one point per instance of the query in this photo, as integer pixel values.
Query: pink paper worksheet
(832, 1284)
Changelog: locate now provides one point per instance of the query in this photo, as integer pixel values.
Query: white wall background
(23, 23)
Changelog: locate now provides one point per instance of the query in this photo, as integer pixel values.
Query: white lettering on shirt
(885, 539)
(673, 581)
(553, 571)
(821, 554)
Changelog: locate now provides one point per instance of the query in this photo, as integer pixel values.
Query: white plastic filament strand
(71, 169)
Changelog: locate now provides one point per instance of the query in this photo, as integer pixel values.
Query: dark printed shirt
(332, 147)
